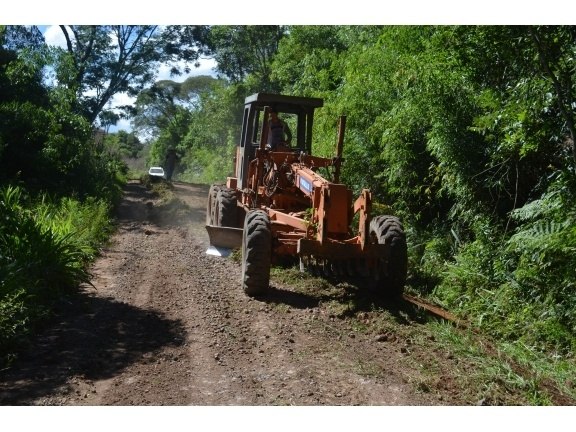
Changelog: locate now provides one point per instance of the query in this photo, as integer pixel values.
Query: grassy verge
(478, 369)
(45, 247)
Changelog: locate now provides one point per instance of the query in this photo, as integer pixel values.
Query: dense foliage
(57, 184)
(467, 133)
(45, 245)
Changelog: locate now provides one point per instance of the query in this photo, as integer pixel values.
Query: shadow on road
(291, 298)
(95, 339)
(353, 297)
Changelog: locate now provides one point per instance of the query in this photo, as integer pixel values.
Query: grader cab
(278, 205)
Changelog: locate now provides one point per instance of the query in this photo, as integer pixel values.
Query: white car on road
(156, 172)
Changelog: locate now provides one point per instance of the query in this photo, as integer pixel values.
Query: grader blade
(224, 237)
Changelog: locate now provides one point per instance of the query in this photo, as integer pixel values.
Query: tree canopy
(102, 61)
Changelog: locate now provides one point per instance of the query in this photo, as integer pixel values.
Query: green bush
(522, 287)
(44, 250)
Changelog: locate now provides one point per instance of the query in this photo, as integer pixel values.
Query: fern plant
(545, 246)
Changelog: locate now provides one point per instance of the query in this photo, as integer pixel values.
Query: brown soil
(166, 324)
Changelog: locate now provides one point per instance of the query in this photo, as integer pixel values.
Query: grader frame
(278, 205)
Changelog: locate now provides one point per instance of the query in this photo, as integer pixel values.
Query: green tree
(555, 48)
(309, 59)
(102, 61)
(44, 142)
(213, 132)
(36, 124)
(124, 144)
(156, 107)
(16, 37)
(170, 137)
(244, 53)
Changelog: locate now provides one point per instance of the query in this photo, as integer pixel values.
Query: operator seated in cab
(279, 135)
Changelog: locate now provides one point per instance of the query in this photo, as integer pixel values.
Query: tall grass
(517, 285)
(521, 287)
(45, 246)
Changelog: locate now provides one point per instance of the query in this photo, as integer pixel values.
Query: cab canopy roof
(283, 103)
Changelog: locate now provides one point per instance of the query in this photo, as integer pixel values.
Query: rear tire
(210, 206)
(392, 272)
(256, 253)
(226, 208)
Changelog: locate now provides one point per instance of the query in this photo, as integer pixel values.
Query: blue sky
(53, 36)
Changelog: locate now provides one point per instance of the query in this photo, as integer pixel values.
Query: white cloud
(206, 68)
(122, 99)
(122, 124)
(53, 36)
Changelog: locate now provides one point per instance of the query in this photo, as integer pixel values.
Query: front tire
(392, 272)
(256, 253)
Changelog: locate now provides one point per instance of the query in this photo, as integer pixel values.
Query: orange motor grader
(278, 205)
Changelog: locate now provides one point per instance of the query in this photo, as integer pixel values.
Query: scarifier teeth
(340, 269)
(325, 268)
(312, 266)
(362, 268)
(316, 270)
(350, 268)
(334, 268)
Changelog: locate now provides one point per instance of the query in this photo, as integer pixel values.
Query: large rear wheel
(392, 272)
(226, 208)
(256, 253)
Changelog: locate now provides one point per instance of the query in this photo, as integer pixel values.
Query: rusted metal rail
(435, 310)
(546, 385)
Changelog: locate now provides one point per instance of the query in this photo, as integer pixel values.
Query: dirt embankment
(166, 324)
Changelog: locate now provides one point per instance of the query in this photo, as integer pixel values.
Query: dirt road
(166, 324)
